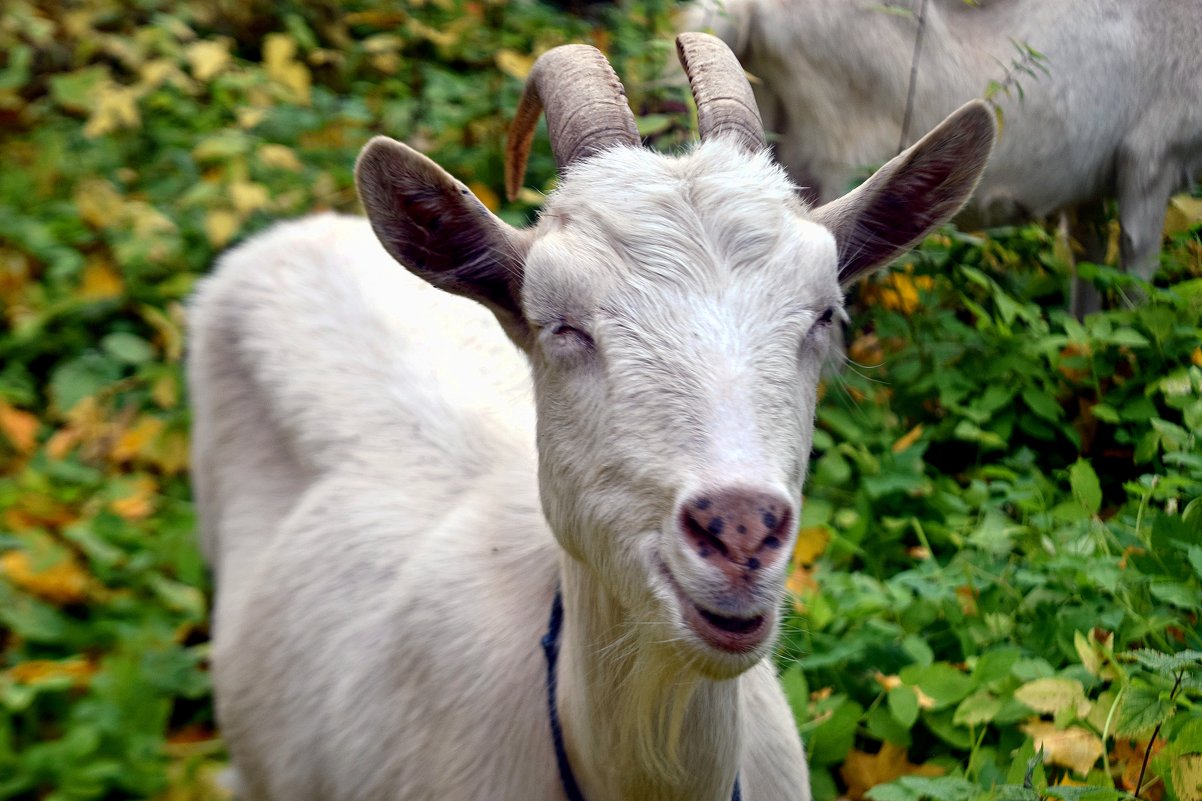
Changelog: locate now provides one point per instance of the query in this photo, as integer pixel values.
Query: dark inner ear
(439, 230)
(908, 197)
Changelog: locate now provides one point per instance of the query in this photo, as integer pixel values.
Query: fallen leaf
(207, 59)
(138, 502)
(116, 108)
(862, 771)
(19, 427)
(36, 671)
(136, 441)
(279, 157)
(908, 439)
(1187, 777)
(1052, 695)
(100, 281)
(279, 57)
(220, 226)
(811, 543)
(514, 64)
(1074, 748)
(62, 582)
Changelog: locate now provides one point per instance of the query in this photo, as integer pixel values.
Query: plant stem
(1148, 751)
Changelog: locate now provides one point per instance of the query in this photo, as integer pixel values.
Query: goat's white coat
(366, 475)
(387, 540)
(1118, 114)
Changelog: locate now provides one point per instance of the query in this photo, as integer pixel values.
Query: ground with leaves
(1001, 548)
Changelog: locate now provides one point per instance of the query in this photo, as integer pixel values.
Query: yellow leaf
(165, 391)
(62, 582)
(279, 51)
(485, 195)
(169, 453)
(116, 107)
(1052, 695)
(99, 203)
(1184, 213)
(138, 503)
(36, 671)
(1074, 748)
(1187, 777)
(279, 157)
(862, 771)
(135, 441)
(169, 326)
(908, 439)
(250, 116)
(220, 226)
(800, 583)
(100, 282)
(811, 542)
(383, 43)
(61, 442)
(19, 427)
(248, 196)
(514, 64)
(1196, 356)
(208, 59)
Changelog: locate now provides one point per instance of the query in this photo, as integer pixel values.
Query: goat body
(1114, 109)
(389, 518)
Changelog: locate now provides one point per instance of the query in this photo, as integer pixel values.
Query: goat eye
(826, 317)
(565, 331)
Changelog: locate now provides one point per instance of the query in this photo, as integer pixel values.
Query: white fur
(1119, 113)
(365, 469)
(389, 518)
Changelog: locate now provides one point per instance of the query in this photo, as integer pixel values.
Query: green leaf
(1086, 488)
(1141, 710)
(129, 348)
(1042, 404)
(903, 705)
(942, 682)
(1165, 664)
(978, 708)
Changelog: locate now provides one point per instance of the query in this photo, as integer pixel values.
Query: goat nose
(735, 528)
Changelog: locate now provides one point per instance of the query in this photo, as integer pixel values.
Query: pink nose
(737, 529)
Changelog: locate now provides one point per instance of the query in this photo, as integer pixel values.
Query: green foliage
(1013, 501)
(1011, 498)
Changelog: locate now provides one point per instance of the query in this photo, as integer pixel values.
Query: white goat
(389, 543)
(1118, 112)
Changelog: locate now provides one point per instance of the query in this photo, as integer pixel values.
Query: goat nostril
(706, 536)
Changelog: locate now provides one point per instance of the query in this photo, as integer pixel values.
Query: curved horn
(586, 110)
(725, 103)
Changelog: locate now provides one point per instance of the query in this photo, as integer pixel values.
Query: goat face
(676, 314)
(677, 327)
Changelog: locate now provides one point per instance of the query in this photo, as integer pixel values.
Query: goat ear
(918, 190)
(434, 226)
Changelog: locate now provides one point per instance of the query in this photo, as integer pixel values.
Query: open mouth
(733, 634)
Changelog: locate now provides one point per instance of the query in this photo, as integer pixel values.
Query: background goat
(387, 538)
(1117, 114)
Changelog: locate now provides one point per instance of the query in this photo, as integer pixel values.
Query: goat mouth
(729, 633)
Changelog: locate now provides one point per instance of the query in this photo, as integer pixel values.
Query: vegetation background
(998, 581)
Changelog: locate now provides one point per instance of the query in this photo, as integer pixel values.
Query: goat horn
(725, 103)
(586, 110)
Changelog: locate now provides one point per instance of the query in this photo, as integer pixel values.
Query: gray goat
(1116, 114)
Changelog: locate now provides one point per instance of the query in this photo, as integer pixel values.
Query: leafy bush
(1001, 538)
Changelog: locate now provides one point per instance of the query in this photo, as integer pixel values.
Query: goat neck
(631, 712)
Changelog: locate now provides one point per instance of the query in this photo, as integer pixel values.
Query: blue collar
(551, 648)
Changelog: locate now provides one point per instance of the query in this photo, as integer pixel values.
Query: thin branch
(1148, 751)
(922, 26)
